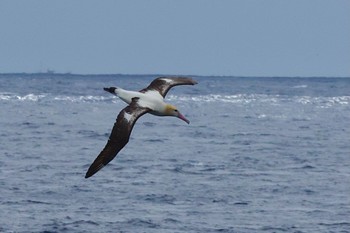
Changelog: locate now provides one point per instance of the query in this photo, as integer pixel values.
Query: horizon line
(53, 73)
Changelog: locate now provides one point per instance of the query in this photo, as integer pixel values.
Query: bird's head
(172, 111)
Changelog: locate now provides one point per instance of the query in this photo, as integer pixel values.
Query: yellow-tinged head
(171, 110)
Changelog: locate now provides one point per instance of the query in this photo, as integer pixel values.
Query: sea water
(260, 155)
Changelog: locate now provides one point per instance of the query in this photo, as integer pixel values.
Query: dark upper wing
(163, 84)
(119, 136)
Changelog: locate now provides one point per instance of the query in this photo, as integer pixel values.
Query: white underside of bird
(150, 99)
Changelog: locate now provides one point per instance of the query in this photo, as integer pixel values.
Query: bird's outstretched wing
(163, 84)
(119, 136)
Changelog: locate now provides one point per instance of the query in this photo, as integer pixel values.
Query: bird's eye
(175, 110)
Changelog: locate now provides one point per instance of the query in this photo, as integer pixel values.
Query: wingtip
(192, 81)
(93, 169)
(88, 174)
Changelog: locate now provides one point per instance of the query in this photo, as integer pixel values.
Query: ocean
(260, 155)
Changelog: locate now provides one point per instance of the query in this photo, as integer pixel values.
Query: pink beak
(183, 118)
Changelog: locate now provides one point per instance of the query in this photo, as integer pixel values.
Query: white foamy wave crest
(238, 98)
(89, 98)
(48, 97)
(322, 102)
(28, 97)
(300, 86)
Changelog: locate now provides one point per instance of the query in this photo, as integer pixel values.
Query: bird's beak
(182, 117)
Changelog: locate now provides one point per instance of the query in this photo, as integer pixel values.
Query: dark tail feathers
(110, 89)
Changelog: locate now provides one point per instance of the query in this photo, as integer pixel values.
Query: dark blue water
(260, 155)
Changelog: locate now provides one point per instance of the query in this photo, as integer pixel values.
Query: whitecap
(236, 98)
(323, 102)
(300, 86)
(31, 97)
(89, 98)
(5, 96)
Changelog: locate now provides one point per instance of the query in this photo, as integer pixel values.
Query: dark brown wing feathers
(119, 136)
(163, 84)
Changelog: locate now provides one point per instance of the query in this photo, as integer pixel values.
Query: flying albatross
(147, 100)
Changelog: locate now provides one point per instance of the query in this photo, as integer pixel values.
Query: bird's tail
(111, 90)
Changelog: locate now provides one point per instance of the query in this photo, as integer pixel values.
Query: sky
(180, 37)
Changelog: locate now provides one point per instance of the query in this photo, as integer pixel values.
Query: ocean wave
(263, 98)
(300, 86)
(48, 97)
(210, 98)
(88, 98)
(324, 101)
(237, 98)
(29, 97)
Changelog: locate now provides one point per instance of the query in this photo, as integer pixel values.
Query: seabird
(147, 100)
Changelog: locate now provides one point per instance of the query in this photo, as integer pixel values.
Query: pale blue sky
(200, 37)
